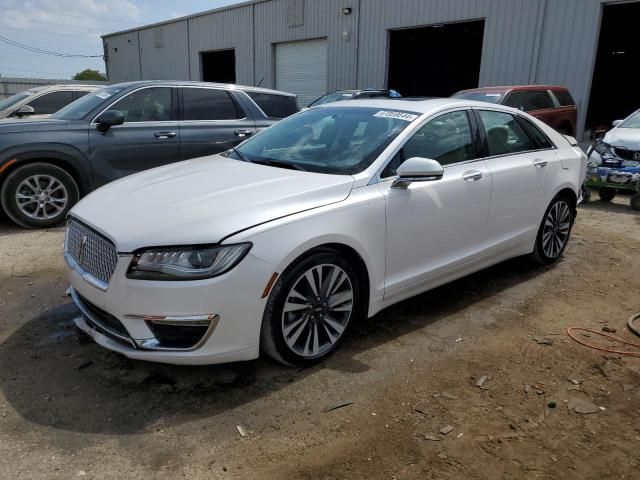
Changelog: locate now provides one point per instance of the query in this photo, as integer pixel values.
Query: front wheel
(553, 234)
(310, 309)
(38, 195)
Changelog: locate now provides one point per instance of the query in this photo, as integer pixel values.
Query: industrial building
(418, 47)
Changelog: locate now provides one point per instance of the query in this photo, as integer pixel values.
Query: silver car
(43, 101)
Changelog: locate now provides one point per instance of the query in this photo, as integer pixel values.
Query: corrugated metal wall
(163, 51)
(525, 41)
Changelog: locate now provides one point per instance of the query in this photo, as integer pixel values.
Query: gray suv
(47, 165)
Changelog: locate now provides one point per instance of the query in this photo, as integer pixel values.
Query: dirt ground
(70, 409)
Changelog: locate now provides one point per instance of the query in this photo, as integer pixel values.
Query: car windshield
(332, 97)
(489, 97)
(334, 140)
(8, 102)
(632, 122)
(78, 109)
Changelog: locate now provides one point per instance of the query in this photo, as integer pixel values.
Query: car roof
(512, 88)
(420, 106)
(187, 83)
(72, 86)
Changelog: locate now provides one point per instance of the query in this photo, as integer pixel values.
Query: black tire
(541, 253)
(635, 202)
(53, 209)
(272, 336)
(607, 194)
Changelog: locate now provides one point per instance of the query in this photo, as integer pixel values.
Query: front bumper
(231, 306)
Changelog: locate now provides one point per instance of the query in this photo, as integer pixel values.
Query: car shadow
(54, 375)
(617, 207)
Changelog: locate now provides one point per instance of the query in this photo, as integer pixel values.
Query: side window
(504, 134)
(541, 140)
(564, 98)
(446, 138)
(208, 104)
(146, 105)
(51, 102)
(274, 106)
(529, 100)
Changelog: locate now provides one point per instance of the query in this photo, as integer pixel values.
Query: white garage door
(301, 68)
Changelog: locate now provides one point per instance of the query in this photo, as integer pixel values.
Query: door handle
(472, 176)
(541, 163)
(164, 135)
(243, 133)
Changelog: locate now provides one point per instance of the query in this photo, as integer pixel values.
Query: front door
(149, 137)
(437, 226)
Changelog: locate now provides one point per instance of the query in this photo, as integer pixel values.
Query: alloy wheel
(555, 232)
(317, 310)
(41, 197)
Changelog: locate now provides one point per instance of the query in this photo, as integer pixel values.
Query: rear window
(275, 106)
(564, 98)
(208, 104)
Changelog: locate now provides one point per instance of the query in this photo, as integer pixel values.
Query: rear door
(521, 166)
(211, 121)
(148, 138)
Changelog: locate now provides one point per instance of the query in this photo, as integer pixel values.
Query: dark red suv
(552, 105)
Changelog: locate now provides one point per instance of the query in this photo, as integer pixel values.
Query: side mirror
(109, 119)
(615, 123)
(24, 111)
(417, 169)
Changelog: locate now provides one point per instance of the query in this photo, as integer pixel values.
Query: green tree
(89, 74)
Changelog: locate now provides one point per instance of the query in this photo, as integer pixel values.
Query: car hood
(203, 201)
(10, 125)
(624, 137)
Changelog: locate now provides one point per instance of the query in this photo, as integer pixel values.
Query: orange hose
(603, 349)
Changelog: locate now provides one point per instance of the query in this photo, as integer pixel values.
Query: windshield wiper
(278, 164)
(242, 157)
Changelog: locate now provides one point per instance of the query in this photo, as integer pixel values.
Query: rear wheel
(586, 194)
(311, 309)
(607, 194)
(635, 202)
(553, 234)
(38, 195)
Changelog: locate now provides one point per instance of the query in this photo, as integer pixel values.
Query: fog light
(184, 332)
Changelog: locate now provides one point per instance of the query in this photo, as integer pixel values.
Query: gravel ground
(69, 409)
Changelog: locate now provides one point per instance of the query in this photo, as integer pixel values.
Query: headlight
(186, 263)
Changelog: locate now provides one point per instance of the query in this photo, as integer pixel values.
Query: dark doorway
(218, 66)
(614, 89)
(436, 61)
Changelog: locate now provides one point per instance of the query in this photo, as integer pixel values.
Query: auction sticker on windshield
(407, 117)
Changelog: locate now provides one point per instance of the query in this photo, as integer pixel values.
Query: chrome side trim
(95, 323)
(86, 276)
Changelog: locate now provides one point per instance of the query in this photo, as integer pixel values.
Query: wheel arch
(351, 255)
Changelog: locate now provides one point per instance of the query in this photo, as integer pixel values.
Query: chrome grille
(93, 253)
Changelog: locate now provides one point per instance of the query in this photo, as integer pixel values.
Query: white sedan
(281, 244)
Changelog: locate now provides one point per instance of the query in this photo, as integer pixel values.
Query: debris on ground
(543, 341)
(432, 438)
(337, 405)
(449, 396)
(582, 406)
(446, 430)
(241, 431)
(609, 329)
(481, 381)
